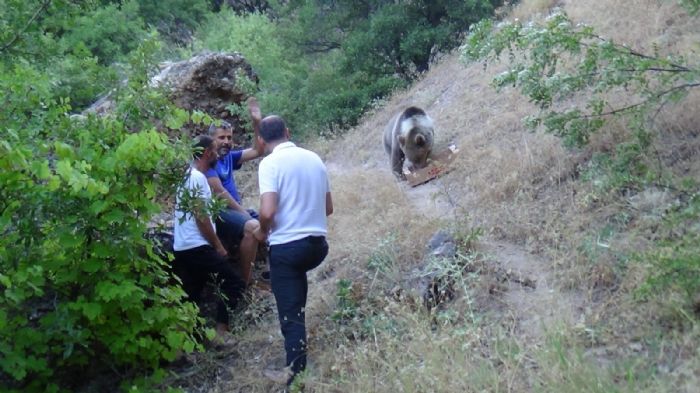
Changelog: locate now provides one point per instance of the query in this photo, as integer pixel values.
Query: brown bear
(409, 135)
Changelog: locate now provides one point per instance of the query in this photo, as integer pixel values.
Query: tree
(80, 283)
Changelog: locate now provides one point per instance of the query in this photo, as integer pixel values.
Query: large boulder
(209, 82)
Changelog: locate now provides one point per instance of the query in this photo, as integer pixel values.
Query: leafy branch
(42, 7)
(555, 61)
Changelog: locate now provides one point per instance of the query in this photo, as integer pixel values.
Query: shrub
(109, 32)
(675, 262)
(82, 289)
(566, 59)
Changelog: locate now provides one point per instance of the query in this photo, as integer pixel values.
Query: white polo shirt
(187, 234)
(299, 178)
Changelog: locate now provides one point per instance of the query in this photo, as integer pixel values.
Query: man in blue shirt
(235, 224)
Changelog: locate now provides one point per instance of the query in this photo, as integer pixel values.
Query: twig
(630, 51)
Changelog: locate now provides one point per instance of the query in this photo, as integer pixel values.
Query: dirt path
(530, 294)
(530, 298)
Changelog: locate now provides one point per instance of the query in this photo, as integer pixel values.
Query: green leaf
(64, 169)
(92, 265)
(41, 169)
(63, 150)
(3, 319)
(91, 310)
(5, 281)
(188, 346)
(114, 216)
(99, 206)
(175, 339)
(178, 118)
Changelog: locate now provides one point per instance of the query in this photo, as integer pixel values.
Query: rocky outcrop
(209, 82)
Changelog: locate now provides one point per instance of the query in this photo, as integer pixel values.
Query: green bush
(176, 20)
(82, 289)
(675, 262)
(109, 32)
(281, 71)
(189, 12)
(80, 78)
(567, 60)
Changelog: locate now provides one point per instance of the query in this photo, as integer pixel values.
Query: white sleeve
(267, 177)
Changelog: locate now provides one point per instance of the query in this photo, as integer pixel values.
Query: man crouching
(199, 254)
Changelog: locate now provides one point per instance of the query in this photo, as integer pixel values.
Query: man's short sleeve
(267, 177)
(199, 182)
(235, 157)
(211, 172)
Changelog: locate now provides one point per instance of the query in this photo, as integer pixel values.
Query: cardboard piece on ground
(439, 165)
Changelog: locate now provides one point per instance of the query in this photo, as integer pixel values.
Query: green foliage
(280, 70)
(80, 78)
(620, 169)
(675, 263)
(174, 19)
(401, 38)
(74, 41)
(565, 59)
(692, 5)
(31, 27)
(170, 12)
(346, 305)
(333, 102)
(82, 289)
(109, 32)
(357, 53)
(384, 257)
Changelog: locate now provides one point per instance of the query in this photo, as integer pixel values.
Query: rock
(442, 245)
(433, 287)
(445, 250)
(208, 82)
(438, 239)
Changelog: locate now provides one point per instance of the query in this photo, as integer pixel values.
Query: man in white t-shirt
(295, 199)
(199, 254)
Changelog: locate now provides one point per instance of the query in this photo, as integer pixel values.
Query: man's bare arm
(248, 154)
(207, 230)
(256, 118)
(329, 204)
(217, 188)
(268, 209)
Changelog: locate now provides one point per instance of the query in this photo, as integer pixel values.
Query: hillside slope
(546, 274)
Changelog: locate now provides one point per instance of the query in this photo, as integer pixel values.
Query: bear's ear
(402, 140)
(420, 140)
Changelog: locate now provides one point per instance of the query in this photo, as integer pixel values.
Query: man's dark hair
(200, 144)
(272, 129)
(224, 125)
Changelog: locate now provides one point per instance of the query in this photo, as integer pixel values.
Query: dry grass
(525, 191)
(526, 10)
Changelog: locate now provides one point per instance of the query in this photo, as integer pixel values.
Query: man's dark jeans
(289, 263)
(197, 265)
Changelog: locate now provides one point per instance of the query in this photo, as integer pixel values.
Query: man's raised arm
(256, 117)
